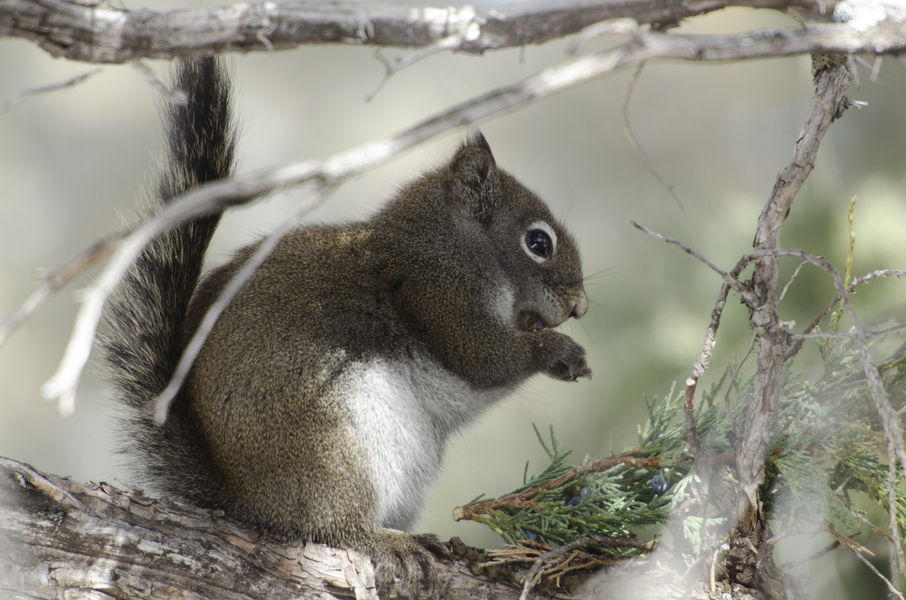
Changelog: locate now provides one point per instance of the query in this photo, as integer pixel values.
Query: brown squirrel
(320, 404)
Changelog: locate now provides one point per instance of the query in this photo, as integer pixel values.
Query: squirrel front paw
(405, 559)
(564, 358)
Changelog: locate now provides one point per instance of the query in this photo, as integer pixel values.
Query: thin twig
(890, 586)
(684, 247)
(790, 282)
(876, 68)
(531, 578)
(392, 67)
(627, 131)
(852, 286)
(24, 95)
(175, 97)
(823, 552)
(56, 279)
(727, 277)
(869, 332)
(698, 369)
(892, 502)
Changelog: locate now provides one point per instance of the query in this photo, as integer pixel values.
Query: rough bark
(60, 538)
(108, 34)
(832, 78)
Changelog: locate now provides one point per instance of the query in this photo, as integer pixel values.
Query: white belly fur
(402, 414)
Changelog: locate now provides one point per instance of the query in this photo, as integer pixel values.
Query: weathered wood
(108, 34)
(61, 538)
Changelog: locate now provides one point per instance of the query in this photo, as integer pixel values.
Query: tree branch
(63, 538)
(832, 77)
(106, 34)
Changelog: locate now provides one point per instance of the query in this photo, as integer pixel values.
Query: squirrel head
(488, 243)
(540, 258)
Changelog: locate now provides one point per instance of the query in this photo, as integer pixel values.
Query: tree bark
(60, 538)
(107, 34)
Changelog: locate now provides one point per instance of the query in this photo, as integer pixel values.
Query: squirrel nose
(580, 305)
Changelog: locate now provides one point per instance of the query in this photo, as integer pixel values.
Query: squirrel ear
(473, 162)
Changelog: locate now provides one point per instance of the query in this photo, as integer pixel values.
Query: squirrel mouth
(531, 321)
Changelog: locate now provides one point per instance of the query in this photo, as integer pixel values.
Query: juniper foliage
(826, 467)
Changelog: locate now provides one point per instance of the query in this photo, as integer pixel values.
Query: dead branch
(107, 34)
(556, 556)
(832, 77)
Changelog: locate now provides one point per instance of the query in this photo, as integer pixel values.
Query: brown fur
(435, 300)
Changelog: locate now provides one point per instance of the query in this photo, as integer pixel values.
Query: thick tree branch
(108, 34)
(62, 538)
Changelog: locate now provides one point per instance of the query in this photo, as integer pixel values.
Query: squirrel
(320, 404)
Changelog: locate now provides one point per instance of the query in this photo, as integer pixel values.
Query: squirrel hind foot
(405, 560)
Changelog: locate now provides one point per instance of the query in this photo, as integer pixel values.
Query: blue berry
(531, 536)
(659, 484)
(575, 501)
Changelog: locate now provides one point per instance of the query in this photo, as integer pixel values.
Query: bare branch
(56, 279)
(729, 278)
(790, 282)
(831, 81)
(115, 35)
(627, 130)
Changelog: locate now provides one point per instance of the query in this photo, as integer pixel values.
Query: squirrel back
(320, 404)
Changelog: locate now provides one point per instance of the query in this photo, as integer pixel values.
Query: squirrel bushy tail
(144, 329)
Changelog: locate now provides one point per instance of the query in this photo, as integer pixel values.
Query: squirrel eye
(540, 243)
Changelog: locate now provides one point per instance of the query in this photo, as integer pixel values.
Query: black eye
(539, 243)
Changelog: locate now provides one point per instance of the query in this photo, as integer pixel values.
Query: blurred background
(73, 162)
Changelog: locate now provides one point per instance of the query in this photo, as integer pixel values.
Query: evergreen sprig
(828, 448)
